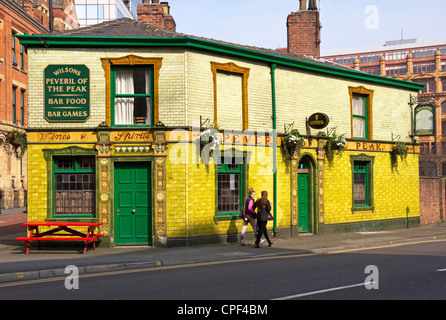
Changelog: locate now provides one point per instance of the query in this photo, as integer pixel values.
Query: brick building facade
(18, 18)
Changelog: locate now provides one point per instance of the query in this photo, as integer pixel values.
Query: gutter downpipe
(274, 118)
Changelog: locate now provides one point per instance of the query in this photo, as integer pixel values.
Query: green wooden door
(132, 201)
(304, 210)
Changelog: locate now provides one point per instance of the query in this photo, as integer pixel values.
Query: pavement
(51, 262)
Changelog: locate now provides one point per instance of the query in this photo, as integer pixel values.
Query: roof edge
(61, 41)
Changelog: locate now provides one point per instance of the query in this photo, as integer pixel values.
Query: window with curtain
(359, 105)
(133, 96)
(74, 186)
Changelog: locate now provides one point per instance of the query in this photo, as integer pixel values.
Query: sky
(345, 23)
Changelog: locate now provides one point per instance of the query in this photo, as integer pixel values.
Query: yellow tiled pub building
(116, 125)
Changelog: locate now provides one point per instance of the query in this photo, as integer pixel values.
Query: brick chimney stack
(155, 13)
(304, 30)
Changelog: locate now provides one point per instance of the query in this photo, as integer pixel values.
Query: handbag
(247, 218)
(242, 213)
(270, 217)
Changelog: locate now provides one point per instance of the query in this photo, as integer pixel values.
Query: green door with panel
(132, 203)
(304, 208)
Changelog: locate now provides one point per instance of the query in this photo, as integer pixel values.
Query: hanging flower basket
(209, 138)
(399, 149)
(335, 144)
(291, 143)
(206, 141)
(15, 143)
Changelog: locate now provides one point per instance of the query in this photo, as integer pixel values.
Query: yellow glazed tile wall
(186, 92)
(396, 193)
(38, 181)
(171, 83)
(299, 94)
(191, 193)
(200, 90)
(37, 187)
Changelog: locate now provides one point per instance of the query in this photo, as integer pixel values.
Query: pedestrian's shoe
(242, 240)
(256, 246)
(270, 243)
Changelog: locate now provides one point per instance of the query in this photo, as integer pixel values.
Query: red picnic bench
(62, 231)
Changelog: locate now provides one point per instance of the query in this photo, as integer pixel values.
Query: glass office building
(91, 12)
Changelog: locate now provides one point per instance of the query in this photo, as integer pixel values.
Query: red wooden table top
(60, 224)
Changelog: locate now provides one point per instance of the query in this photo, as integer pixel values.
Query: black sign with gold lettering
(318, 121)
(67, 93)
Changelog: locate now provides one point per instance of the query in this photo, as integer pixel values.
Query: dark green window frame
(114, 95)
(362, 178)
(226, 165)
(74, 181)
(363, 117)
(74, 151)
(227, 204)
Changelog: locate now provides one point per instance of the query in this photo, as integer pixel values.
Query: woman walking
(249, 215)
(263, 210)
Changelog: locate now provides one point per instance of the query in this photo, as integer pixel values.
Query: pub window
(360, 184)
(230, 186)
(74, 186)
(359, 116)
(361, 112)
(132, 96)
(362, 193)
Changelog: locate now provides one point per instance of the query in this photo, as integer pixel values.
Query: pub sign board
(425, 119)
(67, 93)
(318, 121)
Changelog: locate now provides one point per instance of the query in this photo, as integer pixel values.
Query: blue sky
(345, 23)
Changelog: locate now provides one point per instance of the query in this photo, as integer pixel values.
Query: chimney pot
(156, 14)
(304, 35)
